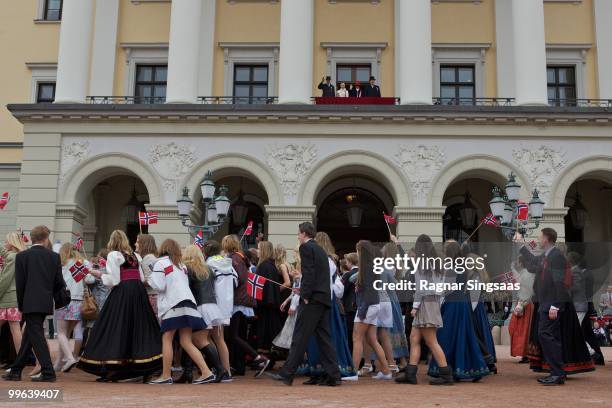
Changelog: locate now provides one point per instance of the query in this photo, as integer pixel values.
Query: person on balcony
(356, 91)
(372, 90)
(327, 87)
(342, 92)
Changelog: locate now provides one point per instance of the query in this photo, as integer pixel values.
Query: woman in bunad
(242, 310)
(125, 341)
(226, 280)
(457, 336)
(284, 338)
(9, 312)
(522, 312)
(202, 286)
(177, 311)
(336, 323)
(269, 322)
(479, 314)
(68, 316)
(368, 309)
(427, 319)
(147, 250)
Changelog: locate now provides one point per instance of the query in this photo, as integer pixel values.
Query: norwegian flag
(490, 220)
(249, 229)
(508, 277)
(168, 269)
(4, 199)
(78, 271)
(389, 219)
(522, 211)
(533, 244)
(78, 244)
(255, 285)
(199, 239)
(147, 218)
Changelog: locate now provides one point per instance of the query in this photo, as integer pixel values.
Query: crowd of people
(157, 310)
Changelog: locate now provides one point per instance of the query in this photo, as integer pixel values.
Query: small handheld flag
(255, 285)
(1, 263)
(4, 199)
(78, 244)
(199, 239)
(24, 237)
(522, 211)
(389, 219)
(147, 218)
(490, 220)
(508, 277)
(533, 244)
(249, 229)
(78, 271)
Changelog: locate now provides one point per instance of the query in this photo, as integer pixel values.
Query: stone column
(414, 52)
(553, 218)
(414, 221)
(295, 79)
(603, 37)
(168, 224)
(504, 40)
(69, 218)
(283, 224)
(74, 51)
(104, 48)
(529, 52)
(184, 51)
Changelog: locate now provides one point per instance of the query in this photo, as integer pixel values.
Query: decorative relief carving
(291, 163)
(541, 164)
(420, 163)
(172, 161)
(73, 154)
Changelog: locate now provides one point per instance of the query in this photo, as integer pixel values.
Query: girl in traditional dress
(177, 311)
(8, 292)
(284, 338)
(457, 336)
(427, 319)
(147, 250)
(125, 341)
(522, 312)
(368, 309)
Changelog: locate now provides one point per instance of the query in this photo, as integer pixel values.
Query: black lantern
(578, 213)
(468, 212)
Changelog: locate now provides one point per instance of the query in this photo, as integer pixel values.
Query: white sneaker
(350, 378)
(394, 368)
(381, 376)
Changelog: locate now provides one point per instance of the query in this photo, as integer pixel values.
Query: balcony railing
(268, 100)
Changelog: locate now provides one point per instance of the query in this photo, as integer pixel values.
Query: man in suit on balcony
(372, 90)
(327, 88)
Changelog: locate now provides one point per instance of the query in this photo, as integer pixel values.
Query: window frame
(557, 85)
(46, 9)
(251, 82)
(40, 84)
(353, 67)
(457, 84)
(152, 84)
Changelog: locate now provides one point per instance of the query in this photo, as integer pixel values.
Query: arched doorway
(350, 209)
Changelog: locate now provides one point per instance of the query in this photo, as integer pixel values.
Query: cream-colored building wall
(574, 23)
(139, 23)
(21, 40)
(355, 22)
(466, 23)
(242, 23)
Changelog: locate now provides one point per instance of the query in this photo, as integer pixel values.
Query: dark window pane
(447, 92)
(343, 74)
(552, 92)
(241, 90)
(566, 76)
(144, 74)
(260, 90)
(362, 74)
(466, 92)
(466, 74)
(161, 74)
(53, 10)
(242, 74)
(143, 91)
(447, 74)
(45, 93)
(260, 74)
(159, 91)
(550, 75)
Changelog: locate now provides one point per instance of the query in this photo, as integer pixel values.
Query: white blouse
(115, 259)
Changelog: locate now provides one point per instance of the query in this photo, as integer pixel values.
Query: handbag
(62, 297)
(89, 307)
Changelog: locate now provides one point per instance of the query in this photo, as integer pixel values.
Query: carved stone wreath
(73, 154)
(291, 162)
(420, 163)
(541, 164)
(172, 161)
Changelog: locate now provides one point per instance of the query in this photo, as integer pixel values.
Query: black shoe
(331, 382)
(313, 381)
(492, 368)
(45, 377)
(408, 376)
(598, 359)
(445, 378)
(279, 377)
(524, 360)
(12, 375)
(552, 380)
(261, 364)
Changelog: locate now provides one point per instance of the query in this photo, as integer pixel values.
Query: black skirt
(125, 340)
(576, 358)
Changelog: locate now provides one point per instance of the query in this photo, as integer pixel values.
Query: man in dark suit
(349, 299)
(313, 312)
(551, 294)
(38, 276)
(372, 90)
(327, 88)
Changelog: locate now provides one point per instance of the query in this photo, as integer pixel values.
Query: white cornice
(249, 44)
(143, 45)
(354, 44)
(41, 65)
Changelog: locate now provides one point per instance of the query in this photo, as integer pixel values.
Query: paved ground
(514, 386)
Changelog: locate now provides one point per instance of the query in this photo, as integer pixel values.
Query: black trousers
(349, 317)
(237, 342)
(312, 319)
(34, 338)
(549, 334)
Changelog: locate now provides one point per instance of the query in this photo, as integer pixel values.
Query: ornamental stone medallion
(291, 163)
(420, 164)
(172, 161)
(541, 164)
(73, 154)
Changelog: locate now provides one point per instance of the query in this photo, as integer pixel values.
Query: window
(45, 92)
(561, 85)
(349, 74)
(250, 83)
(53, 10)
(457, 85)
(150, 84)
